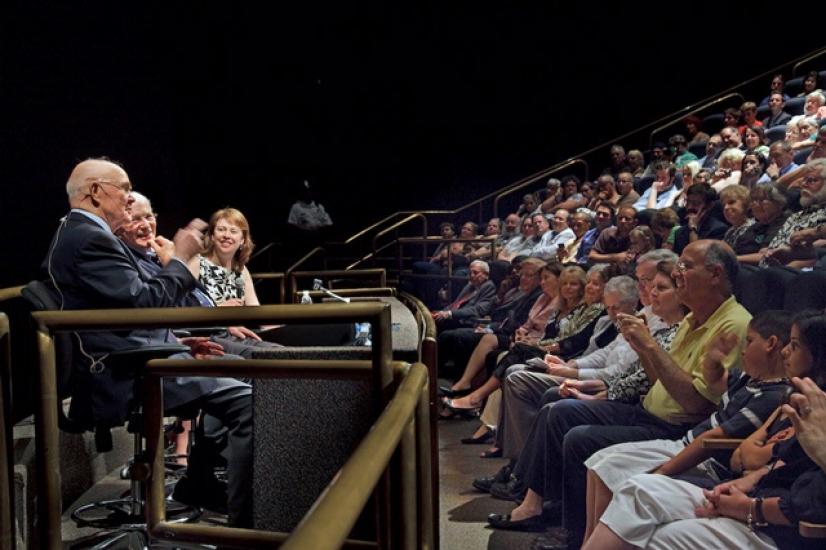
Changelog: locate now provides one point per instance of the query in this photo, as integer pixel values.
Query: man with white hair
(89, 268)
(475, 300)
(813, 215)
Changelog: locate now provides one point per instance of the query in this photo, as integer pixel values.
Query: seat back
(795, 106)
(41, 297)
(776, 133)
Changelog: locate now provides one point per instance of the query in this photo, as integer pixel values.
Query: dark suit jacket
(92, 269)
(479, 301)
(776, 120)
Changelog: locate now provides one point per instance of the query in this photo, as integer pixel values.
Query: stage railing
(378, 369)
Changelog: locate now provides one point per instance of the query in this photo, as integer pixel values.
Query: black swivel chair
(122, 519)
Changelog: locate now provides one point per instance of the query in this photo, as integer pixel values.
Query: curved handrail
(400, 223)
(813, 55)
(381, 273)
(303, 259)
(686, 111)
(545, 173)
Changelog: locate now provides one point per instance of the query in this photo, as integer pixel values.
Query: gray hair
(482, 265)
(598, 268)
(720, 254)
(625, 288)
(140, 197)
(658, 255)
(819, 165)
(817, 95)
(771, 192)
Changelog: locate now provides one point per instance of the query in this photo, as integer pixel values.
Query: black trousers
(231, 436)
(566, 434)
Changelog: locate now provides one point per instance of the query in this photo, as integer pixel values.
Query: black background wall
(381, 107)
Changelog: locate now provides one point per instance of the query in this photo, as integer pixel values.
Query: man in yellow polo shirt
(572, 430)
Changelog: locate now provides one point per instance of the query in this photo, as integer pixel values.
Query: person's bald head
(101, 187)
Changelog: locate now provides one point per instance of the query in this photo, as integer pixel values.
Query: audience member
(755, 140)
(753, 167)
(612, 244)
(781, 161)
(580, 225)
(701, 223)
(663, 191)
(729, 167)
(619, 162)
(694, 130)
(682, 155)
(625, 187)
(636, 163)
(777, 116)
(748, 112)
(776, 87)
(713, 147)
(475, 299)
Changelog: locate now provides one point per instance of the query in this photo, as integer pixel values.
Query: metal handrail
(687, 111)
(532, 180)
(46, 428)
(806, 59)
(411, 217)
(10, 292)
(278, 276)
(428, 354)
(303, 259)
(6, 461)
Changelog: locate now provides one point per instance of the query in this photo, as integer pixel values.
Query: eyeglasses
(811, 180)
(682, 267)
(126, 187)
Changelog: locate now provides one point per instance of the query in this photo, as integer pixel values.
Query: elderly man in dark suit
(475, 300)
(91, 269)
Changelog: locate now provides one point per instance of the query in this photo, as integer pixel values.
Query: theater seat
(713, 123)
(801, 156)
(698, 149)
(776, 133)
(795, 106)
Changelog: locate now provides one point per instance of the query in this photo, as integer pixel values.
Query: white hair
(483, 266)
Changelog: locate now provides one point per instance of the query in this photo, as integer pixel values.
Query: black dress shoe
(210, 493)
(447, 392)
(504, 521)
(484, 483)
(512, 489)
(484, 438)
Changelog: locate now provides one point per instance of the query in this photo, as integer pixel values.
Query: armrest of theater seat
(812, 530)
(721, 443)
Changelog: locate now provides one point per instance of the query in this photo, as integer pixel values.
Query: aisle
(463, 510)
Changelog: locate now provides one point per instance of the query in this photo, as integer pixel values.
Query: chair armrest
(812, 530)
(721, 443)
(198, 331)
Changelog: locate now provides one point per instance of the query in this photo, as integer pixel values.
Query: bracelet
(759, 519)
(750, 516)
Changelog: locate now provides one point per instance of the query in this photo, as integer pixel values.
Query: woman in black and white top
(222, 266)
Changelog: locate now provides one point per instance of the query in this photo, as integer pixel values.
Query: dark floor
(464, 510)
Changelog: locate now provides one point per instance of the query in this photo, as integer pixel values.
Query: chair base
(120, 514)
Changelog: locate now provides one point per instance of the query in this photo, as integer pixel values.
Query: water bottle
(363, 336)
(306, 298)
